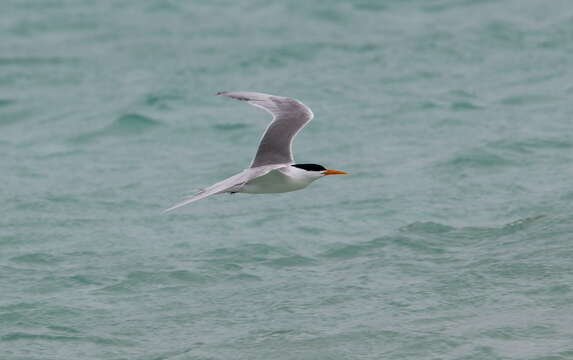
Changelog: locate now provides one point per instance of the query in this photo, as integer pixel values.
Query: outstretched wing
(289, 116)
(235, 181)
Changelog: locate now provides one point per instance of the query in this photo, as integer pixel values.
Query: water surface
(450, 239)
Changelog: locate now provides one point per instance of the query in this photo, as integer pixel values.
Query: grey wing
(225, 185)
(289, 117)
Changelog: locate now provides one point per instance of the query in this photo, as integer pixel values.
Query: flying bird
(273, 169)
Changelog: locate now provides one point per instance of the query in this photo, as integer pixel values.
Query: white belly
(275, 182)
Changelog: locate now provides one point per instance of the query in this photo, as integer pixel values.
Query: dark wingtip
(221, 93)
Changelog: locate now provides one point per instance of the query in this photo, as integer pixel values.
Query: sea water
(451, 237)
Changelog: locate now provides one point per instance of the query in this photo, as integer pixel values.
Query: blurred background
(450, 238)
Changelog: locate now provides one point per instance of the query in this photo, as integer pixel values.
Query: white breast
(282, 180)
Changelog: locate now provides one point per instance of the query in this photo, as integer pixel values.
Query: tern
(273, 169)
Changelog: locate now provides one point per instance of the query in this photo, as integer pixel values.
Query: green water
(450, 239)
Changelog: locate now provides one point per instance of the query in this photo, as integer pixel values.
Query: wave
(126, 125)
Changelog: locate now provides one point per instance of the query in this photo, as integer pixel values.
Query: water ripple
(125, 125)
(22, 336)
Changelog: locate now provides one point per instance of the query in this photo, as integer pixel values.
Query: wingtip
(221, 93)
(163, 212)
(170, 209)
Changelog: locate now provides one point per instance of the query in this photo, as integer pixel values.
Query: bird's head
(318, 170)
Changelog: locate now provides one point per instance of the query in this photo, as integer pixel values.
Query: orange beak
(334, 172)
